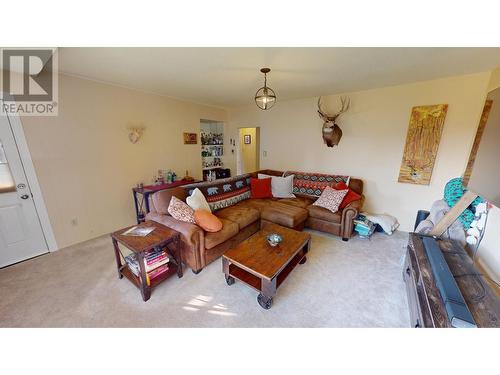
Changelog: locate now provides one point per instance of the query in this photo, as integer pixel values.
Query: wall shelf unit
(212, 149)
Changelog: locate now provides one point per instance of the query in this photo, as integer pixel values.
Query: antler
(322, 114)
(346, 102)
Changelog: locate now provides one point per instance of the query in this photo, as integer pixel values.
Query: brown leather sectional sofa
(245, 218)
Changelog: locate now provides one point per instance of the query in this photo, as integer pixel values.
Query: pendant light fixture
(265, 96)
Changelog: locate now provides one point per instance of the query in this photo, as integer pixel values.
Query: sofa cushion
(324, 214)
(351, 195)
(281, 187)
(331, 199)
(207, 220)
(302, 202)
(258, 204)
(284, 214)
(243, 216)
(197, 201)
(356, 184)
(180, 210)
(261, 188)
(229, 229)
(161, 199)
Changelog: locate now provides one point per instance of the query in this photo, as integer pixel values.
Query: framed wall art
(190, 138)
(422, 143)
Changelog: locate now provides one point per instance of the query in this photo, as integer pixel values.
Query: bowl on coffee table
(274, 239)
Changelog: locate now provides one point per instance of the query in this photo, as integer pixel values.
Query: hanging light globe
(265, 97)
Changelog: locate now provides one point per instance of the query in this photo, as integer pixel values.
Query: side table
(161, 238)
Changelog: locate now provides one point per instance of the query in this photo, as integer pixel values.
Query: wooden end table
(161, 238)
(263, 267)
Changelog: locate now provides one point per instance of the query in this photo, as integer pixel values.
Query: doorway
(21, 234)
(248, 159)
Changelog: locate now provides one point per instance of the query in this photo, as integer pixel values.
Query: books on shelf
(155, 263)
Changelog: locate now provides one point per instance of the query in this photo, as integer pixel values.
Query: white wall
(374, 134)
(85, 163)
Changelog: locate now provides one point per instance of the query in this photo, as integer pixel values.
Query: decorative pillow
(181, 211)
(161, 199)
(197, 201)
(261, 188)
(351, 195)
(281, 187)
(207, 221)
(331, 199)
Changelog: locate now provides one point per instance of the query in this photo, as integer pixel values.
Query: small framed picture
(190, 138)
(247, 139)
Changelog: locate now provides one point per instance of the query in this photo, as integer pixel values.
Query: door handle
(25, 196)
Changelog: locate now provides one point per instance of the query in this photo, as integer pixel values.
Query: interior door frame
(239, 161)
(29, 170)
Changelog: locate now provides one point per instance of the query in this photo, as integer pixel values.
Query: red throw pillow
(351, 195)
(261, 187)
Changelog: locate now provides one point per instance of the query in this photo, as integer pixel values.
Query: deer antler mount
(331, 131)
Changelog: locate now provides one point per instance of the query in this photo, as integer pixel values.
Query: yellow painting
(422, 142)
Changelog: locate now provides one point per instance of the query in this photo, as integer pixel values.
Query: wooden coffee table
(263, 267)
(162, 238)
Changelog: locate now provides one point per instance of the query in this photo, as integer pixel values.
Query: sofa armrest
(349, 213)
(192, 238)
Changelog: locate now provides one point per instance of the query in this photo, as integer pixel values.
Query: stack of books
(155, 262)
(363, 226)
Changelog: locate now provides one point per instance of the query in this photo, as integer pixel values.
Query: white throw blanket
(388, 223)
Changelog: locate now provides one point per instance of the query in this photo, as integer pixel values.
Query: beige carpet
(353, 284)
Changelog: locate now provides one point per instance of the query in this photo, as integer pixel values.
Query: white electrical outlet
(264, 153)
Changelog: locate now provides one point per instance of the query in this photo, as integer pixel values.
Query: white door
(21, 235)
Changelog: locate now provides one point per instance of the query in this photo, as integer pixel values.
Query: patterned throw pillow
(331, 199)
(181, 211)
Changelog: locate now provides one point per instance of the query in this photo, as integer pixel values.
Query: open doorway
(248, 159)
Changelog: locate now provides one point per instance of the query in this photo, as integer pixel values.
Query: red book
(158, 271)
(151, 267)
(154, 254)
(158, 259)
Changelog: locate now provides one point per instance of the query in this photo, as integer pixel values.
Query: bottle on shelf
(160, 179)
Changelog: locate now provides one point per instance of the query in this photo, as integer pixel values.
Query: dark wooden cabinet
(426, 306)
